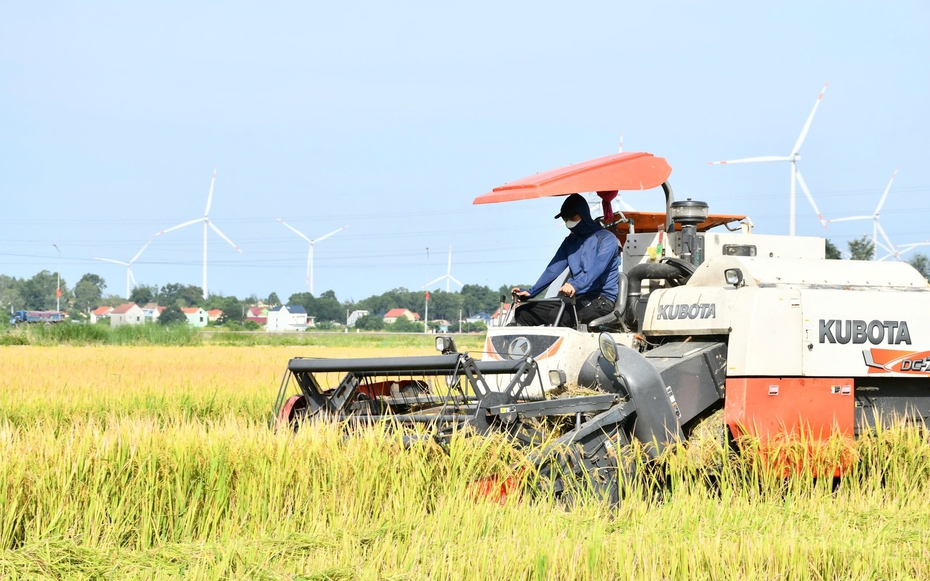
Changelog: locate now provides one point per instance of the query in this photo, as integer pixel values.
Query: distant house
(100, 313)
(497, 313)
(196, 317)
(257, 314)
(355, 316)
(287, 318)
(480, 318)
(214, 315)
(151, 312)
(128, 314)
(394, 314)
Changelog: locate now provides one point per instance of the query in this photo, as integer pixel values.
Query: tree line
(38, 293)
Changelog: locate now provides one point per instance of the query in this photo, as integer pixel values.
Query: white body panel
(636, 249)
(797, 317)
(560, 348)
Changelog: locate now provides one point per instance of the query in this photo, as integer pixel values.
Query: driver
(591, 253)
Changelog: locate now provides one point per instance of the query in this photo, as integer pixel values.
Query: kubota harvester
(710, 316)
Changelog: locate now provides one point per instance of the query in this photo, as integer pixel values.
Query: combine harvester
(710, 316)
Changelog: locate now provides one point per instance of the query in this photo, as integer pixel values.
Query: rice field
(156, 463)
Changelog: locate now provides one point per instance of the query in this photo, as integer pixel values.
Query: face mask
(572, 223)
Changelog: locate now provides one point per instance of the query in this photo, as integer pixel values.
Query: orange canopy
(620, 171)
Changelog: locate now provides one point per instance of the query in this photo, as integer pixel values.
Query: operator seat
(614, 317)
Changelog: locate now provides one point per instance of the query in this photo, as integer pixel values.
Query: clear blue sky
(394, 116)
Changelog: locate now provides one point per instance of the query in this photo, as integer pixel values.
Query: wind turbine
(897, 251)
(310, 253)
(128, 265)
(448, 275)
(876, 226)
(795, 172)
(206, 223)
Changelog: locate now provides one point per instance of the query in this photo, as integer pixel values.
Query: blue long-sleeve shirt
(593, 260)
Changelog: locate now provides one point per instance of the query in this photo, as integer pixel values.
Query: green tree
(478, 298)
(369, 323)
(88, 292)
(326, 307)
(38, 293)
(921, 264)
(475, 327)
(273, 300)
(181, 295)
(10, 293)
(144, 294)
(831, 251)
(233, 309)
(505, 290)
(172, 315)
(861, 248)
(112, 300)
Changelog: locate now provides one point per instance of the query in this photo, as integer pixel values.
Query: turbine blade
(132, 277)
(914, 245)
(621, 143)
(810, 199)
(885, 195)
(455, 280)
(850, 219)
(210, 195)
(325, 236)
(223, 236)
(138, 254)
(432, 282)
(625, 206)
(751, 160)
(111, 260)
(179, 226)
(294, 230)
(449, 265)
(807, 126)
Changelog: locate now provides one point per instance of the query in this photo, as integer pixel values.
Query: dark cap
(572, 206)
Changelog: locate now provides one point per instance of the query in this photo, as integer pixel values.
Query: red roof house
(100, 313)
(394, 314)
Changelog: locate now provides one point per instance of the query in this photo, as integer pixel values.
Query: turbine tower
(310, 253)
(206, 223)
(447, 276)
(876, 226)
(128, 265)
(793, 158)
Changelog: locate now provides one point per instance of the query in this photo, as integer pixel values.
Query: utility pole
(58, 287)
(426, 317)
(460, 321)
